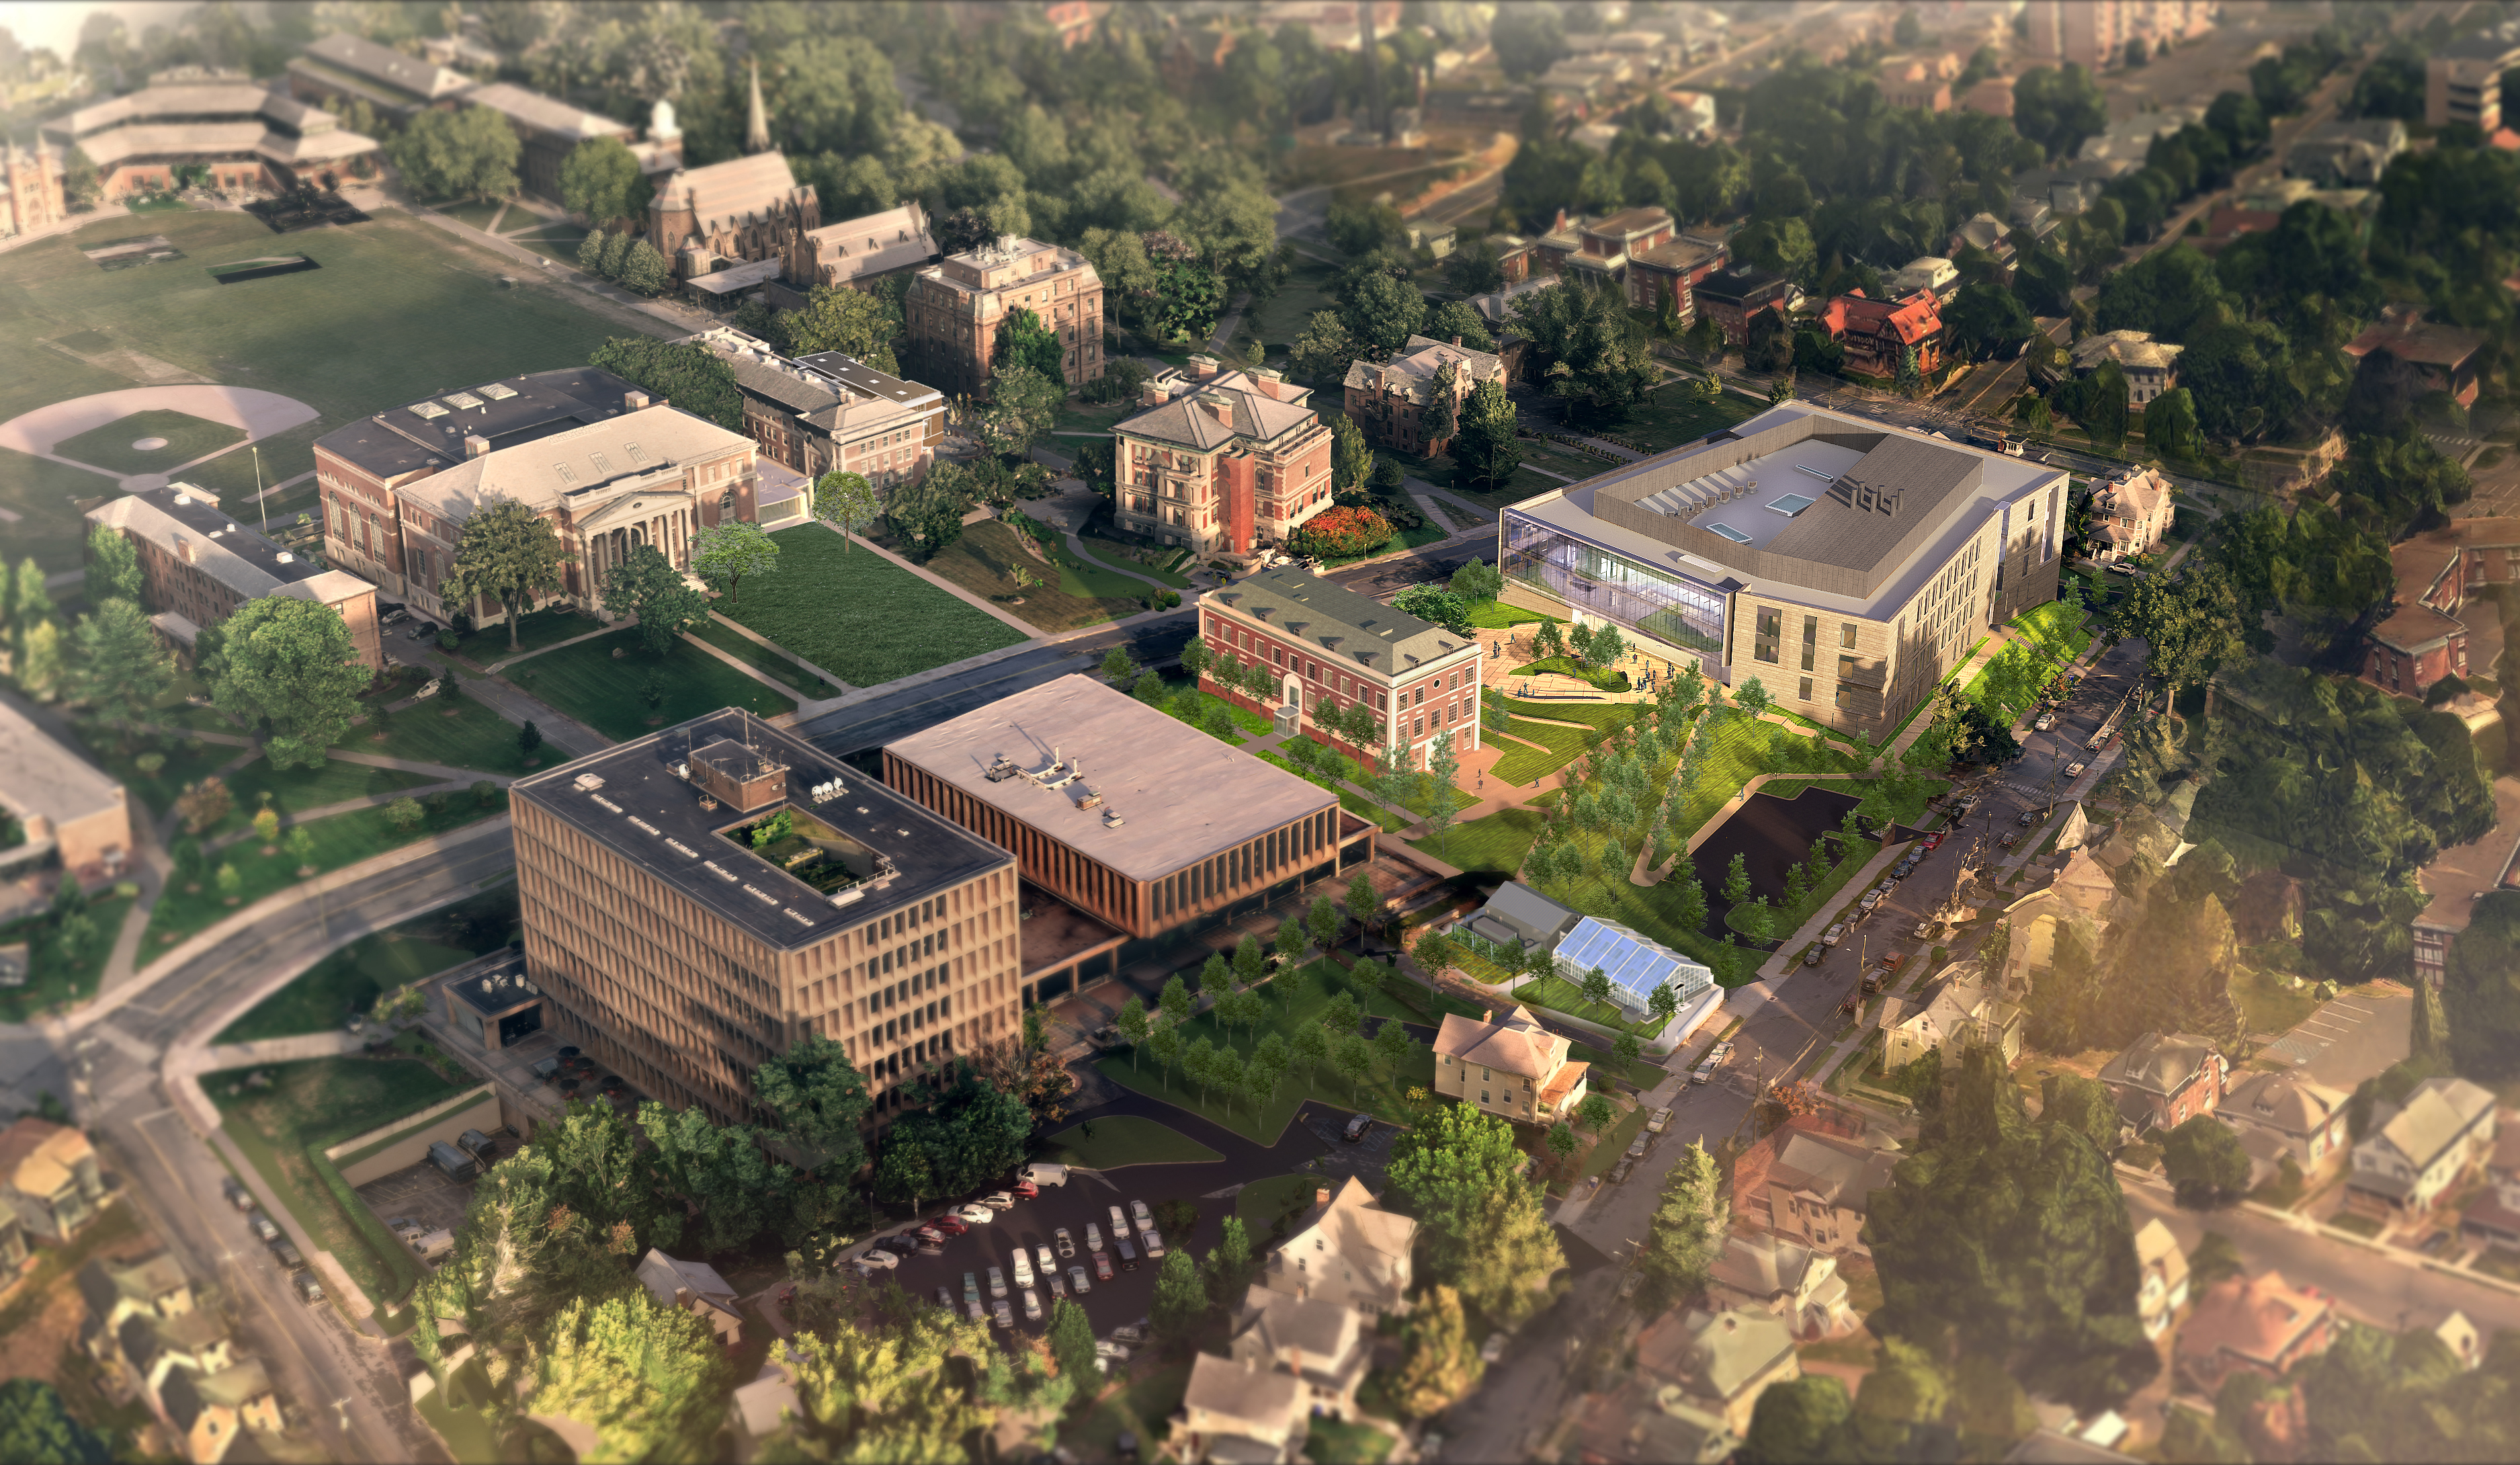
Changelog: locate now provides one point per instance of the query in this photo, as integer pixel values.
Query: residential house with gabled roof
(2163, 1291)
(153, 1347)
(1641, 1424)
(2150, 367)
(1223, 462)
(1962, 1012)
(2410, 1156)
(2444, 356)
(1508, 1065)
(1721, 1360)
(1808, 1184)
(696, 1288)
(1347, 1250)
(49, 1177)
(1325, 1345)
(114, 1291)
(2494, 1216)
(2165, 1080)
(1879, 335)
(210, 1412)
(2280, 1114)
(2130, 515)
(1801, 1285)
(1236, 1413)
(2260, 1323)
(1395, 400)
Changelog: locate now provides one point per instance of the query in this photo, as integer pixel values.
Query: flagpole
(256, 450)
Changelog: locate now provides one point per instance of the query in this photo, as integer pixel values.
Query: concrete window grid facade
(1140, 907)
(954, 309)
(1416, 705)
(687, 1006)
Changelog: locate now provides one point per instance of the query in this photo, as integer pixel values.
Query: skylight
(463, 399)
(498, 391)
(1791, 505)
(1731, 533)
(429, 409)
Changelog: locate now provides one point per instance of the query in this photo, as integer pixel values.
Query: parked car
(262, 1227)
(1638, 1146)
(997, 1282)
(1032, 1306)
(1145, 1219)
(308, 1289)
(1130, 1333)
(1078, 1282)
(1119, 1223)
(1057, 1284)
(2075, 770)
(1093, 1237)
(2028, 818)
(1103, 1266)
(1025, 1190)
(1005, 1318)
(1153, 1241)
(877, 1259)
(1044, 1174)
(1934, 841)
(931, 1247)
(1117, 1353)
(1357, 1125)
(1833, 935)
(902, 1244)
(1128, 1256)
(1703, 1073)
(1042, 1263)
(1619, 1172)
(237, 1196)
(286, 1251)
(2045, 721)
(929, 1233)
(1721, 1050)
(1023, 1267)
(977, 1313)
(1656, 1121)
(1810, 955)
(2009, 839)
(1065, 1242)
(999, 1200)
(972, 1216)
(1871, 898)
(951, 1225)
(971, 1286)
(945, 1296)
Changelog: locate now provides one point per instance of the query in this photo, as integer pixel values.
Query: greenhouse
(1634, 964)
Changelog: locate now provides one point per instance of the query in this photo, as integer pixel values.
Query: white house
(2410, 1157)
(1347, 1250)
(2280, 1114)
(2162, 1290)
(1327, 1346)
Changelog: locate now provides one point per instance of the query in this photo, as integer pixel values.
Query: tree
(1561, 1142)
(1483, 441)
(1321, 922)
(818, 1096)
(846, 501)
(1442, 765)
(2203, 1159)
(1440, 1365)
(36, 1427)
(645, 271)
(1175, 1000)
(1460, 1173)
(2169, 426)
(693, 378)
(1181, 1300)
(203, 805)
(467, 154)
(1459, 322)
(113, 566)
(1362, 904)
(1025, 341)
(2193, 624)
(1071, 1342)
(1596, 354)
(2012, 1237)
(861, 325)
(2480, 994)
(600, 182)
(1229, 1263)
(289, 663)
(1382, 312)
(1131, 1021)
(1022, 404)
(648, 1379)
(1322, 349)
(1595, 986)
(1797, 1420)
(506, 552)
(645, 584)
(118, 667)
(1289, 944)
(1393, 1046)
(725, 553)
(1686, 1232)
(2059, 108)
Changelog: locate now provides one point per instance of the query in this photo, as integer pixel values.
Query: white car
(1023, 1269)
(999, 1200)
(1066, 1243)
(875, 1260)
(1032, 1306)
(1655, 1121)
(1042, 1262)
(1093, 1237)
(1078, 1281)
(997, 1282)
(1117, 1353)
(1146, 1217)
(1494, 1348)
(976, 1216)
(1153, 1241)
(2046, 720)
(1833, 935)
(2074, 769)
(1119, 1223)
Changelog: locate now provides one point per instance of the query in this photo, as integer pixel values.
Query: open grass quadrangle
(858, 615)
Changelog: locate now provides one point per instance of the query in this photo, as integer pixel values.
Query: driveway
(2357, 1037)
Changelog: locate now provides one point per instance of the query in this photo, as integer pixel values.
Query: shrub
(1343, 534)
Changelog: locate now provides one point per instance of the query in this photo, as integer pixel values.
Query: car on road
(1833, 935)
(1005, 1318)
(997, 1282)
(2075, 770)
(1078, 1282)
(1024, 1190)
(286, 1251)
(2045, 721)
(1871, 898)
(2028, 818)
(1638, 1146)
(1934, 841)
(1656, 1121)
(1103, 1266)
(1093, 1237)
(1066, 1243)
(1492, 1349)
(308, 1289)
(877, 1259)
(1357, 1125)
(262, 1227)
(236, 1193)
(999, 1200)
(2010, 839)
(975, 1215)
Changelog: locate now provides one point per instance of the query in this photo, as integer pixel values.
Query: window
(1811, 643)
(1770, 631)
(1846, 635)
(1807, 688)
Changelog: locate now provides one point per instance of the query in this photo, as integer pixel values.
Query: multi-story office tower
(1846, 564)
(1134, 819)
(701, 899)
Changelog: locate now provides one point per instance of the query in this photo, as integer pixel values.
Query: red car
(930, 1232)
(1026, 1189)
(1103, 1266)
(951, 1225)
(1934, 841)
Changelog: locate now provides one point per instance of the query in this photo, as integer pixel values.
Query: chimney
(186, 546)
(1320, 1195)
(1456, 340)
(475, 445)
(682, 1297)
(634, 401)
(1222, 410)
(1559, 227)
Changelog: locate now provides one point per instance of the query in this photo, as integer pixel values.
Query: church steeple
(757, 128)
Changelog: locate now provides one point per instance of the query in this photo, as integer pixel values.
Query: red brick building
(2166, 1080)
(1730, 297)
(1390, 401)
(1224, 463)
(2444, 356)
(955, 307)
(1331, 646)
(1676, 267)
(2423, 638)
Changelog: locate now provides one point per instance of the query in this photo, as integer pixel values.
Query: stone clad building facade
(1224, 463)
(955, 307)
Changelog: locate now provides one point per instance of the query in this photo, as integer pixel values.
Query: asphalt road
(341, 1381)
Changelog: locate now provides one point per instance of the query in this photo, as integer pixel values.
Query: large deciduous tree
(1025, 340)
(725, 553)
(861, 325)
(1483, 443)
(649, 1380)
(818, 1096)
(508, 554)
(1441, 1363)
(291, 664)
(1462, 1174)
(467, 154)
(37, 1429)
(645, 584)
(2481, 991)
(600, 180)
(691, 377)
(2191, 625)
(1596, 354)
(847, 501)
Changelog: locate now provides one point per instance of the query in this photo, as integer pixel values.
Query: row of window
(1247, 866)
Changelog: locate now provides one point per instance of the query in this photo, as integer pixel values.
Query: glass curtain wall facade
(1670, 607)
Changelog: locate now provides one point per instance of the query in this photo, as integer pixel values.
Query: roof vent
(589, 782)
(1112, 819)
(284, 558)
(183, 501)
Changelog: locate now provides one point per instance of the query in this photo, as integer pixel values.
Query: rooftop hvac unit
(1112, 819)
(589, 782)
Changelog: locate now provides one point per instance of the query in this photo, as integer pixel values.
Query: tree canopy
(288, 664)
(688, 376)
(600, 180)
(645, 584)
(505, 553)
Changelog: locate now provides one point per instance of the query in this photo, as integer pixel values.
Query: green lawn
(1085, 579)
(1523, 767)
(471, 211)
(1672, 416)
(858, 615)
(536, 631)
(311, 1105)
(1144, 1408)
(1493, 845)
(1562, 996)
(231, 476)
(1339, 1442)
(1155, 561)
(112, 447)
(1614, 1141)
(296, 790)
(1641, 1074)
(1125, 1139)
(1600, 716)
(1262, 1204)
(186, 764)
(1292, 998)
(586, 682)
(766, 660)
(984, 560)
(54, 979)
(400, 310)
(189, 905)
(350, 980)
(461, 734)
(1497, 615)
